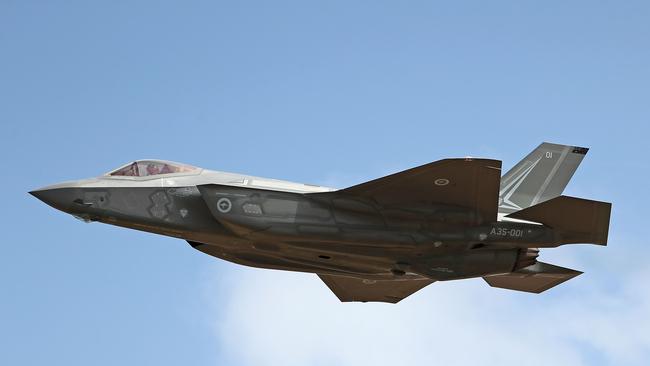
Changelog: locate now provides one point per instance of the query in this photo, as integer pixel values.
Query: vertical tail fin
(541, 175)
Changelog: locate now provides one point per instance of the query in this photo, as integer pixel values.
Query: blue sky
(332, 93)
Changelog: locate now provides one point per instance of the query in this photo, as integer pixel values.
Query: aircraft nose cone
(59, 198)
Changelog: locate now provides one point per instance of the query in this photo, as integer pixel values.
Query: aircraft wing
(470, 183)
(356, 289)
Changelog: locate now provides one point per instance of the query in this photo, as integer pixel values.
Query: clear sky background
(325, 92)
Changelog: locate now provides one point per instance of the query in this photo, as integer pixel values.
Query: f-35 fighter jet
(380, 240)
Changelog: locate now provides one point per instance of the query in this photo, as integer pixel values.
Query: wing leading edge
(467, 182)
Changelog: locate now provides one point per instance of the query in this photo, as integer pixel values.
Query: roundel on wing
(441, 182)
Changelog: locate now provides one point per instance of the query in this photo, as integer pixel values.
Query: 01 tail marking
(550, 176)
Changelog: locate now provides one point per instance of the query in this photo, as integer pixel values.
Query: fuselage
(278, 224)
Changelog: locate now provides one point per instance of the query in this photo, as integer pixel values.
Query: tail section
(540, 176)
(536, 278)
(575, 220)
(531, 191)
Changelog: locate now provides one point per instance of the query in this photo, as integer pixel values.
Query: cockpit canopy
(145, 168)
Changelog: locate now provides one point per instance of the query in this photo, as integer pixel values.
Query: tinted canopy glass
(147, 168)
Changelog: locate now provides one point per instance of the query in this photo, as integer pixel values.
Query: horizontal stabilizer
(536, 278)
(576, 220)
(357, 289)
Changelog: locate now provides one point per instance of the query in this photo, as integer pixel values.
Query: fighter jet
(381, 240)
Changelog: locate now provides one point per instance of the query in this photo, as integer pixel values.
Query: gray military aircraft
(380, 240)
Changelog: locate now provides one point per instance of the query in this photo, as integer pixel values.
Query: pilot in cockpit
(167, 169)
(153, 169)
